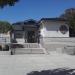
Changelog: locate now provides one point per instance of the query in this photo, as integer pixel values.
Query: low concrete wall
(69, 50)
(53, 44)
(63, 39)
(28, 51)
(5, 52)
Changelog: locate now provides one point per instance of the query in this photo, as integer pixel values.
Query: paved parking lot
(23, 64)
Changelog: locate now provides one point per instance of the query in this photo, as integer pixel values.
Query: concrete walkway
(23, 64)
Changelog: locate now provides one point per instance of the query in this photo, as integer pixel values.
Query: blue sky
(35, 9)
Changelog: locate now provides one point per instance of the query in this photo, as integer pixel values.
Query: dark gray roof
(53, 19)
(26, 22)
(34, 22)
(18, 23)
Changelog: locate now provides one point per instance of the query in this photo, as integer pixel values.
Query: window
(63, 29)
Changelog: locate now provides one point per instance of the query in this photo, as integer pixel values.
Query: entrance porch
(28, 34)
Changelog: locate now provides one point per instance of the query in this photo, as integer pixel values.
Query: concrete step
(29, 51)
(31, 45)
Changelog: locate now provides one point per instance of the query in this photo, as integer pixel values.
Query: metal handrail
(25, 45)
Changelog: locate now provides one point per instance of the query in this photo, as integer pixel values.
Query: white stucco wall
(51, 29)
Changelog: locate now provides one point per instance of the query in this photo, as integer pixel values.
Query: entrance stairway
(28, 48)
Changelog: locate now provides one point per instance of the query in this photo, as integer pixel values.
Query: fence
(25, 45)
(27, 48)
(5, 40)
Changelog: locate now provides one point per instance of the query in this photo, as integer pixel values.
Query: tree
(5, 27)
(69, 15)
(7, 2)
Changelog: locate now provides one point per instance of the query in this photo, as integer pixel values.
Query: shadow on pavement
(59, 71)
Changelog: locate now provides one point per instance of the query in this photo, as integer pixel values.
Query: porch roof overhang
(53, 19)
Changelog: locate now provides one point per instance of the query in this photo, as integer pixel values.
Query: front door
(31, 37)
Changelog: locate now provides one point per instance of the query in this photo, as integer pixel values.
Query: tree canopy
(7, 2)
(5, 27)
(69, 15)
